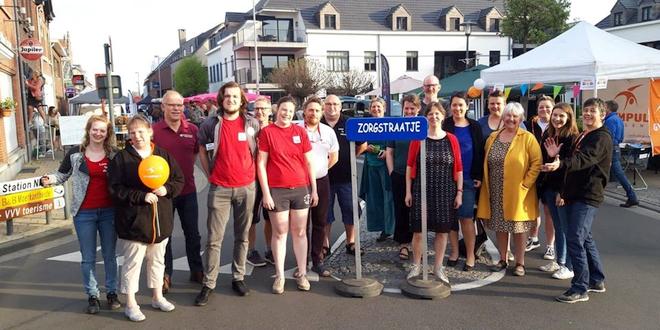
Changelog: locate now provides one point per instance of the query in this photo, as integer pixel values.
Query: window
(211, 78)
(192, 49)
(495, 25)
(618, 19)
(402, 23)
(277, 30)
(646, 13)
(369, 61)
(411, 61)
(494, 58)
(220, 71)
(231, 62)
(330, 21)
(455, 24)
(337, 61)
(226, 70)
(271, 62)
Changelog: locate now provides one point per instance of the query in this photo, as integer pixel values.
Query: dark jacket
(477, 170)
(534, 128)
(134, 218)
(588, 168)
(553, 180)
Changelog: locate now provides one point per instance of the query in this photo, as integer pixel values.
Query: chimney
(182, 37)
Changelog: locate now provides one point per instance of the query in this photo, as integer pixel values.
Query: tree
(535, 21)
(302, 77)
(190, 77)
(353, 82)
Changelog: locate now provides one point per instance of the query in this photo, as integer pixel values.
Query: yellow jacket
(522, 166)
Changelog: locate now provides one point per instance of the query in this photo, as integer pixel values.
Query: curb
(28, 241)
(642, 204)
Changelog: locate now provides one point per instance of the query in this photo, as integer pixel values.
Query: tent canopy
(92, 97)
(584, 51)
(400, 85)
(457, 82)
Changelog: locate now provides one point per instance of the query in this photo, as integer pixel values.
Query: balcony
(246, 77)
(270, 37)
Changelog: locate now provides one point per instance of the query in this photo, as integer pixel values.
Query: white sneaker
(549, 253)
(440, 274)
(550, 268)
(163, 305)
(415, 270)
(302, 283)
(134, 314)
(563, 273)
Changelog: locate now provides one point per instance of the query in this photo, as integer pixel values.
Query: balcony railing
(246, 34)
(247, 76)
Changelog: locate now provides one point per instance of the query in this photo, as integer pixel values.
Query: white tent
(402, 84)
(584, 51)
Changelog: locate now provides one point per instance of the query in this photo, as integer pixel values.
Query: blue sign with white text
(386, 128)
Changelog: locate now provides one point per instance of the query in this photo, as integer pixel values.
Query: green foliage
(7, 103)
(535, 21)
(190, 77)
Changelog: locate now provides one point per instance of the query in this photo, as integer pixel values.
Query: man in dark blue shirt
(615, 125)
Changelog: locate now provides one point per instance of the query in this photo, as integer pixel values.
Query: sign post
(373, 129)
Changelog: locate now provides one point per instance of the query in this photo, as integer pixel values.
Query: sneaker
(255, 259)
(163, 305)
(278, 285)
(510, 257)
(549, 253)
(203, 297)
(532, 244)
(134, 314)
(94, 305)
(598, 287)
(440, 275)
(563, 273)
(269, 257)
(113, 301)
(571, 297)
(302, 282)
(550, 268)
(415, 270)
(350, 249)
(240, 288)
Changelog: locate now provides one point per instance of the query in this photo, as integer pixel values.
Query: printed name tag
(242, 136)
(210, 146)
(188, 136)
(296, 139)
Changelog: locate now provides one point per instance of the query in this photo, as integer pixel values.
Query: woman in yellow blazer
(508, 201)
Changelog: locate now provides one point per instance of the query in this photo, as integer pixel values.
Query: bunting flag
(385, 84)
(507, 90)
(555, 91)
(576, 90)
(537, 86)
(523, 89)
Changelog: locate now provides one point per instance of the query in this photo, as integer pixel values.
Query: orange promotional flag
(654, 115)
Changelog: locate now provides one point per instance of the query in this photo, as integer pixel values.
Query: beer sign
(30, 49)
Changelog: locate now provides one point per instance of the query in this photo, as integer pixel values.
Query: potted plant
(7, 105)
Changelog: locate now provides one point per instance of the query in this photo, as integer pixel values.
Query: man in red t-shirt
(228, 146)
(179, 139)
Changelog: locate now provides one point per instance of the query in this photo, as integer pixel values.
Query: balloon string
(154, 208)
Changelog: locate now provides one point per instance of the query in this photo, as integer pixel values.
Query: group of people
(287, 171)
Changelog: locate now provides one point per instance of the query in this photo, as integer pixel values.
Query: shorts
(285, 199)
(466, 211)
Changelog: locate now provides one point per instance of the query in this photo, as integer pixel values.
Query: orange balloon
(154, 171)
(473, 92)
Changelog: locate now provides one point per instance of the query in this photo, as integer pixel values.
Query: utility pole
(256, 52)
(108, 73)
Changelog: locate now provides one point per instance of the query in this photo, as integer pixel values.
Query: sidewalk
(648, 198)
(34, 226)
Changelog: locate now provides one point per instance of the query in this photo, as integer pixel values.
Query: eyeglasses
(430, 85)
(335, 104)
(259, 108)
(174, 105)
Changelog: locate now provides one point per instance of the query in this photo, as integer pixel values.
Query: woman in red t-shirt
(92, 207)
(288, 190)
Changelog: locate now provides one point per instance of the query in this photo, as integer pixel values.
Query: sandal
(404, 253)
(325, 251)
(350, 249)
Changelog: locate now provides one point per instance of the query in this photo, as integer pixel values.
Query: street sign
(31, 196)
(78, 79)
(16, 186)
(386, 128)
(588, 84)
(102, 86)
(32, 208)
(30, 49)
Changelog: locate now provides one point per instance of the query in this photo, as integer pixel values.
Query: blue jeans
(87, 223)
(345, 199)
(620, 175)
(186, 206)
(560, 222)
(582, 249)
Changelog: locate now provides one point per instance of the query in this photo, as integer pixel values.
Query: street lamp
(467, 27)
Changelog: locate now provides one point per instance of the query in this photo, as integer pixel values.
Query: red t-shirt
(286, 148)
(234, 165)
(183, 146)
(97, 195)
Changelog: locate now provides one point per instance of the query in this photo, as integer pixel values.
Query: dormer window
(618, 19)
(330, 21)
(646, 14)
(495, 25)
(402, 23)
(455, 24)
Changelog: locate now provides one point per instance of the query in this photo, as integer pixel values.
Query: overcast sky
(142, 29)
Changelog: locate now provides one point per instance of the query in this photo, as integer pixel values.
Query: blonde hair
(109, 143)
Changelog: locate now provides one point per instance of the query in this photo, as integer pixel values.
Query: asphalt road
(36, 293)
